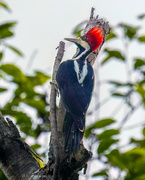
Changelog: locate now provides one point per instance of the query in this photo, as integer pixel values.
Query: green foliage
(14, 72)
(105, 144)
(141, 16)
(2, 176)
(14, 49)
(3, 89)
(102, 123)
(141, 38)
(36, 146)
(5, 6)
(101, 173)
(77, 31)
(139, 63)
(112, 35)
(128, 30)
(113, 54)
(24, 92)
(5, 30)
(1, 56)
(120, 84)
(97, 125)
(107, 133)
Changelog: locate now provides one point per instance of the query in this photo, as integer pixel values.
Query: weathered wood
(53, 120)
(16, 160)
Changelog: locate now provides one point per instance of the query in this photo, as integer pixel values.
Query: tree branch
(53, 121)
(16, 160)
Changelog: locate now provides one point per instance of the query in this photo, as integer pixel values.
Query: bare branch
(53, 121)
(130, 113)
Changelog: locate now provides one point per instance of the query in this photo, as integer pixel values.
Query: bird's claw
(54, 83)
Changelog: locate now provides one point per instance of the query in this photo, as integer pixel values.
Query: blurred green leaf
(110, 36)
(5, 34)
(37, 131)
(141, 38)
(5, 31)
(102, 123)
(105, 60)
(22, 119)
(129, 31)
(143, 131)
(35, 146)
(7, 25)
(2, 176)
(98, 124)
(38, 78)
(87, 132)
(141, 16)
(138, 63)
(105, 144)
(77, 31)
(3, 89)
(101, 173)
(140, 88)
(1, 56)
(118, 159)
(5, 6)
(120, 84)
(140, 177)
(118, 94)
(116, 83)
(113, 54)
(18, 52)
(108, 133)
(42, 78)
(138, 143)
(37, 104)
(13, 71)
(136, 151)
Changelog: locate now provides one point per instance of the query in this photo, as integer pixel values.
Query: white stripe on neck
(86, 46)
(80, 54)
(80, 74)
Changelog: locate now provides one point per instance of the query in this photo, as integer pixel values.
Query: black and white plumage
(75, 79)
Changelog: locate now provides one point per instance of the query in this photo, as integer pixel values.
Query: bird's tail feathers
(73, 135)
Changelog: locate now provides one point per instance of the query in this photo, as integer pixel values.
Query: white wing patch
(80, 74)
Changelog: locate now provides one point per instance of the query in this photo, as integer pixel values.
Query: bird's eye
(83, 38)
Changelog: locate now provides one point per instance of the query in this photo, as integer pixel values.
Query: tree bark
(16, 160)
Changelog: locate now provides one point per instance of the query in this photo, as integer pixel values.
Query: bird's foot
(54, 83)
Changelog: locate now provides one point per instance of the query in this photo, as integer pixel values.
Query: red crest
(94, 37)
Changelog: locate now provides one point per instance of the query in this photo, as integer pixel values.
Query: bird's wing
(73, 94)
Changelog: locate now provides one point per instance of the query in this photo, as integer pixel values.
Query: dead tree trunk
(16, 159)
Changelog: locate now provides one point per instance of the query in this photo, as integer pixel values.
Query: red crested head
(94, 37)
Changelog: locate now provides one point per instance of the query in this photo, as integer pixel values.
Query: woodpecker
(75, 79)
